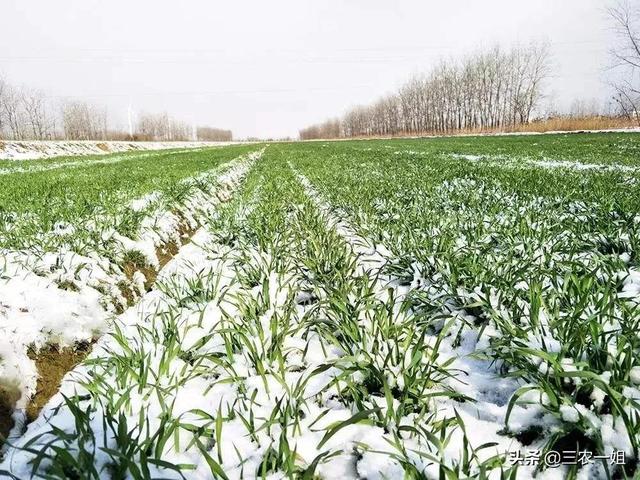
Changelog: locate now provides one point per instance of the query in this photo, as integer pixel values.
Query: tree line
(162, 127)
(28, 114)
(492, 90)
(488, 90)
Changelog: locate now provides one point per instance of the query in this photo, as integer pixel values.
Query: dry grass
(576, 124)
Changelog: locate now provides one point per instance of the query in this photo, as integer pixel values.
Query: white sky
(267, 68)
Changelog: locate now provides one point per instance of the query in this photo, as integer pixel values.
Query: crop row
(61, 299)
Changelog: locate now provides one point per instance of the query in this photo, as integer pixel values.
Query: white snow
(515, 163)
(226, 380)
(32, 149)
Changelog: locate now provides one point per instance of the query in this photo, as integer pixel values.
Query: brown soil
(150, 275)
(164, 253)
(9, 396)
(1, 145)
(52, 364)
(128, 295)
(103, 146)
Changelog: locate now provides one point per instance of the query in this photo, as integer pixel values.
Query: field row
(58, 298)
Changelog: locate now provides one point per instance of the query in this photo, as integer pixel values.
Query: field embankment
(31, 150)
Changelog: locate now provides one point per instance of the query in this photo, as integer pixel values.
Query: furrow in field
(72, 164)
(66, 299)
(51, 165)
(103, 380)
(515, 163)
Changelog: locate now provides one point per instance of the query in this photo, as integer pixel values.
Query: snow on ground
(79, 163)
(200, 356)
(55, 166)
(510, 162)
(240, 448)
(583, 166)
(484, 416)
(205, 326)
(32, 150)
(34, 311)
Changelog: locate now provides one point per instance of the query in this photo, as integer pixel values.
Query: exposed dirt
(9, 396)
(167, 252)
(150, 275)
(186, 233)
(1, 145)
(52, 364)
(127, 293)
(164, 253)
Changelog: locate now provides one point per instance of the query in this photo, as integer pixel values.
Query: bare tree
(162, 127)
(581, 108)
(82, 121)
(150, 127)
(25, 114)
(535, 67)
(10, 109)
(626, 54)
(37, 119)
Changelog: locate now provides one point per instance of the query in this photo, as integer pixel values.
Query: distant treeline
(208, 134)
(27, 114)
(489, 90)
(162, 127)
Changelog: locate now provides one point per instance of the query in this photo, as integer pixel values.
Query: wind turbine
(130, 119)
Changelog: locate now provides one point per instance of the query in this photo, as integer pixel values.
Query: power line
(215, 93)
(124, 56)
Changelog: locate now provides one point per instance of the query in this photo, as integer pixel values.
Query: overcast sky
(267, 68)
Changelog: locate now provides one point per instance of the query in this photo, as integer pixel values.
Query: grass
(378, 309)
